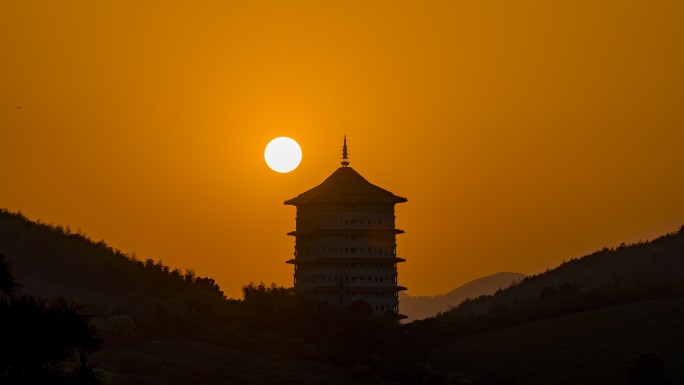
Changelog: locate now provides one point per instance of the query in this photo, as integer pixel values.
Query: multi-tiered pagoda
(345, 241)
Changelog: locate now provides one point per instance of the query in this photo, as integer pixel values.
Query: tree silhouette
(41, 342)
(8, 280)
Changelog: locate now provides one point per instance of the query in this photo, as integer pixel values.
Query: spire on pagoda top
(345, 159)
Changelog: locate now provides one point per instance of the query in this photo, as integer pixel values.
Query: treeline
(611, 276)
(137, 300)
(294, 325)
(55, 254)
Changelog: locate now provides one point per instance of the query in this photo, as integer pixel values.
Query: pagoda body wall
(346, 252)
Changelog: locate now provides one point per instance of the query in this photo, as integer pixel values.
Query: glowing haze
(523, 133)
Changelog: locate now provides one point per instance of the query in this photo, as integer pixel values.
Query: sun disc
(283, 154)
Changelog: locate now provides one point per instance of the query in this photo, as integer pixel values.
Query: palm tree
(8, 280)
(41, 342)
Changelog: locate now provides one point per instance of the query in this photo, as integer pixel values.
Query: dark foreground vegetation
(618, 307)
(42, 342)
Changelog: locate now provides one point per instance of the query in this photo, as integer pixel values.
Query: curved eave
(299, 201)
(320, 230)
(298, 261)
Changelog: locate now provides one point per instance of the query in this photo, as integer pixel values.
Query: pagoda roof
(345, 185)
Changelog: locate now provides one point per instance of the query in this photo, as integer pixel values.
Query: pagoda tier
(325, 230)
(336, 289)
(326, 260)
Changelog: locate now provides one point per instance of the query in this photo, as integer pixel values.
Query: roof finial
(345, 159)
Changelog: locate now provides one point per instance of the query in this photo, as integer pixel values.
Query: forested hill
(51, 261)
(627, 272)
(612, 276)
(54, 254)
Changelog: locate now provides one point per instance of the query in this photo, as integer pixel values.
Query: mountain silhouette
(611, 317)
(427, 306)
(621, 274)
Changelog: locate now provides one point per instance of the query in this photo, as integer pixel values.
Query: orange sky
(523, 133)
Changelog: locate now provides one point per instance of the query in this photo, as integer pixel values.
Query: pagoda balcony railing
(350, 287)
(345, 229)
(346, 258)
(324, 254)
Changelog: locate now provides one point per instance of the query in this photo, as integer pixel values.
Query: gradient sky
(523, 133)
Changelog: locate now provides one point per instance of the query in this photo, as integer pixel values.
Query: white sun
(283, 154)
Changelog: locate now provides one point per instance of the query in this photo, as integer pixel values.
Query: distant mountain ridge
(644, 268)
(419, 307)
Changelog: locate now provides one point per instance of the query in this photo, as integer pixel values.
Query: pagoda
(345, 241)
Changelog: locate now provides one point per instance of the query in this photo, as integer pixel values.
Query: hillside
(596, 314)
(626, 274)
(601, 346)
(162, 326)
(632, 271)
(419, 307)
(611, 317)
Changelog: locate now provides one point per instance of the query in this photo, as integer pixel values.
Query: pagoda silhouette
(345, 241)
